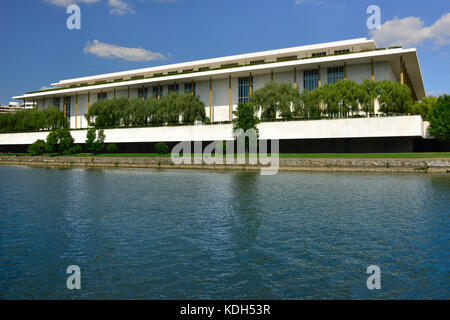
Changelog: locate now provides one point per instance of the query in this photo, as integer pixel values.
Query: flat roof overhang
(360, 43)
(388, 55)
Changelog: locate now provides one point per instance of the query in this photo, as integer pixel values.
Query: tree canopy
(439, 118)
(33, 120)
(170, 109)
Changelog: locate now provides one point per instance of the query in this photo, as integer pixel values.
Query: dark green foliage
(112, 148)
(424, 107)
(169, 109)
(245, 117)
(33, 120)
(161, 148)
(275, 98)
(340, 100)
(307, 105)
(38, 147)
(439, 118)
(59, 141)
(95, 142)
(394, 98)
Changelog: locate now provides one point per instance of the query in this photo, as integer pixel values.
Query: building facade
(222, 83)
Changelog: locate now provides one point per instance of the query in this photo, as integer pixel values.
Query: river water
(179, 234)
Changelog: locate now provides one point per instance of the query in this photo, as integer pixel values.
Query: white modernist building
(222, 83)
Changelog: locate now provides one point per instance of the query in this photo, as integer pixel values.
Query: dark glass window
(102, 95)
(157, 91)
(56, 102)
(172, 88)
(68, 101)
(244, 89)
(189, 88)
(142, 93)
(311, 79)
(335, 74)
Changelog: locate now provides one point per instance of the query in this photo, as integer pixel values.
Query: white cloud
(66, 3)
(112, 51)
(411, 31)
(119, 7)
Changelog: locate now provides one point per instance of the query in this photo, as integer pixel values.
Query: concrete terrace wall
(405, 126)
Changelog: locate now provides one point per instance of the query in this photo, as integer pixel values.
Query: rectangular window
(256, 62)
(189, 88)
(203, 68)
(142, 93)
(335, 74)
(319, 54)
(342, 51)
(158, 91)
(172, 88)
(68, 100)
(172, 72)
(56, 102)
(311, 79)
(102, 95)
(244, 89)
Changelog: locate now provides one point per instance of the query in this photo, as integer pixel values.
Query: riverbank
(387, 164)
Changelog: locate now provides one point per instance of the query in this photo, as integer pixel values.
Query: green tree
(38, 147)
(275, 98)
(161, 148)
(245, 118)
(53, 118)
(424, 107)
(112, 148)
(192, 109)
(59, 141)
(367, 92)
(394, 98)
(348, 92)
(331, 98)
(170, 107)
(307, 105)
(95, 142)
(439, 118)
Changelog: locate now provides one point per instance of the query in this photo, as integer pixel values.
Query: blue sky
(38, 49)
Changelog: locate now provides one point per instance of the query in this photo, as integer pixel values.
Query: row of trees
(343, 99)
(170, 109)
(435, 110)
(60, 141)
(33, 120)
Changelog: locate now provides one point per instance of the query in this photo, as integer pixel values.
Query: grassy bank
(282, 155)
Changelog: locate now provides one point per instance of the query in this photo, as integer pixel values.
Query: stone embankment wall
(285, 164)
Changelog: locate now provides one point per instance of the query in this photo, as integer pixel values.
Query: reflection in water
(175, 234)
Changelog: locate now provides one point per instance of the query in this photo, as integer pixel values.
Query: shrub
(95, 142)
(38, 147)
(111, 148)
(76, 149)
(59, 140)
(161, 148)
